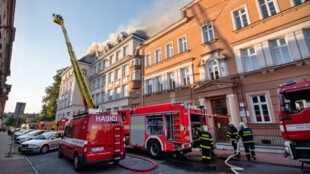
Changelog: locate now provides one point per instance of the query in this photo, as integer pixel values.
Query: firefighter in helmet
(232, 134)
(206, 144)
(248, 141)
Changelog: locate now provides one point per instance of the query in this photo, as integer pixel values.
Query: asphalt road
(50, 163)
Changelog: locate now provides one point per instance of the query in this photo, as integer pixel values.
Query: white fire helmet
(242, 124)
(231, 123)
(205, 128)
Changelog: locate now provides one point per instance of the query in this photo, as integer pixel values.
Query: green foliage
(11, 121)
(49, 107)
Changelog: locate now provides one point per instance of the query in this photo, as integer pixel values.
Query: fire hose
(140, 170)
(232, 167)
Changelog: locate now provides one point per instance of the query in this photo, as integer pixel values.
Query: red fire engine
(295, 119)
(163, 128)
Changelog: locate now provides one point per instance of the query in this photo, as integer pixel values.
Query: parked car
(22, 133)
(29, 136)
(42, 144)
(90, 139)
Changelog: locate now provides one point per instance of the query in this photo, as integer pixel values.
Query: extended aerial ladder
(79, 77)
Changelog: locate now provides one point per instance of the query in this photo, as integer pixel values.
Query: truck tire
(154, 149)
(60, 154)
(77, 164)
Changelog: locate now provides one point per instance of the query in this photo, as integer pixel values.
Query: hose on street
(140, 170)
(232, 167)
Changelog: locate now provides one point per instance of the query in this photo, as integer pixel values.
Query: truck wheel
(60, 154)
(154, 149)
(77, 163)
(44, 149)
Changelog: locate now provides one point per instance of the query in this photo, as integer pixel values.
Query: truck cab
(295, 118)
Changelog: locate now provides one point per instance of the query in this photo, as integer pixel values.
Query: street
(50, 163)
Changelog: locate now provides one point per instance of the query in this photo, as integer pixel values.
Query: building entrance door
(221, 121)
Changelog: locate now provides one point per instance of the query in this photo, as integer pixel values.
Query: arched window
(214, 70)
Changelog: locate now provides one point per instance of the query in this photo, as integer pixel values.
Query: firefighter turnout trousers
(206, 144)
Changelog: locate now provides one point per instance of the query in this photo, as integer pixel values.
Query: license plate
(97, 149)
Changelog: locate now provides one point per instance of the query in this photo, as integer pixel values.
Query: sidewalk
(272, 158)
(16, 164)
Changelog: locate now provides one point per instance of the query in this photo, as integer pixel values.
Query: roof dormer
(122, 35)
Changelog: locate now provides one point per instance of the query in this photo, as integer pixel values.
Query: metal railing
(262, 136)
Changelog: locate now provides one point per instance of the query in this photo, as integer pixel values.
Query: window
(118, 93)
(307, 36)
(135, 62)
(171, 80)
(111, 60)
(296, 101)
(93, 84)
(118, 55)
(99, 67)
(102, 96)
(260, 108)
(267, 8)
(94, 70)
(160, 85)
(97, 99)
(158, 55)
(125, 70)
(126, 51)
(207, 32)
(103, 81)
(84, 72)
(111, 77)
(182, 44)
(280, 51)
(105, 63)
(135, 75)
(169, 50)
(185, 76)
(110, 93)
(298, 2)
(154, 126)
(125, 91)
(249, 59)
(214, 70)
(118, 74)
(108, 111)
(98, 83)
(219, 106)
(148, 60)
(135, 105)
(240, 18)
(69, 131)
(149, 86)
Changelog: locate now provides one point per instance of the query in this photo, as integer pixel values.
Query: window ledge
(209, 42)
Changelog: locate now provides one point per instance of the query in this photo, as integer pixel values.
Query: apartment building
(69, 100)
(116, 75)
(230, 56)
(7, 36)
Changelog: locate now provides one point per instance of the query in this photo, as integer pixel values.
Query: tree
(49, 107)
(11, 121)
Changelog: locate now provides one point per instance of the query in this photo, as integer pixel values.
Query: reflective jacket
(206, 140)
(246, 135)
(232, 133)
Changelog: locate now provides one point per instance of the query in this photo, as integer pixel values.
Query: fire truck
(84, 146)
(163, 128)
(295, 119)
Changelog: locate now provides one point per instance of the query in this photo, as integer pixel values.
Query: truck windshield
(295, 102)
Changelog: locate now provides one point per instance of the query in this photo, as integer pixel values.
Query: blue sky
(39, 49)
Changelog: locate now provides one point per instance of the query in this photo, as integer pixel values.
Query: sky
(39, 49)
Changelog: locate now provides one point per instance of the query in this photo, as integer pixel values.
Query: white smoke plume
(161, 14)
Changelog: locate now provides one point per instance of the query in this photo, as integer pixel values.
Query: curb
(33, 168)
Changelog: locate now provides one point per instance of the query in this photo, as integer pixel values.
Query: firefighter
(248, 141)
(232, 134)
(206, 144)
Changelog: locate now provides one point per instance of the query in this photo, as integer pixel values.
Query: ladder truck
(90, 137)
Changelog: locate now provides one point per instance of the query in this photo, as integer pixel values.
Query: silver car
(29, 136)
(42, 144)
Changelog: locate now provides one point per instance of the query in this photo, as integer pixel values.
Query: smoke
(159, 15)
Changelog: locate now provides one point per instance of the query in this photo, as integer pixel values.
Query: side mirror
(284, 109)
